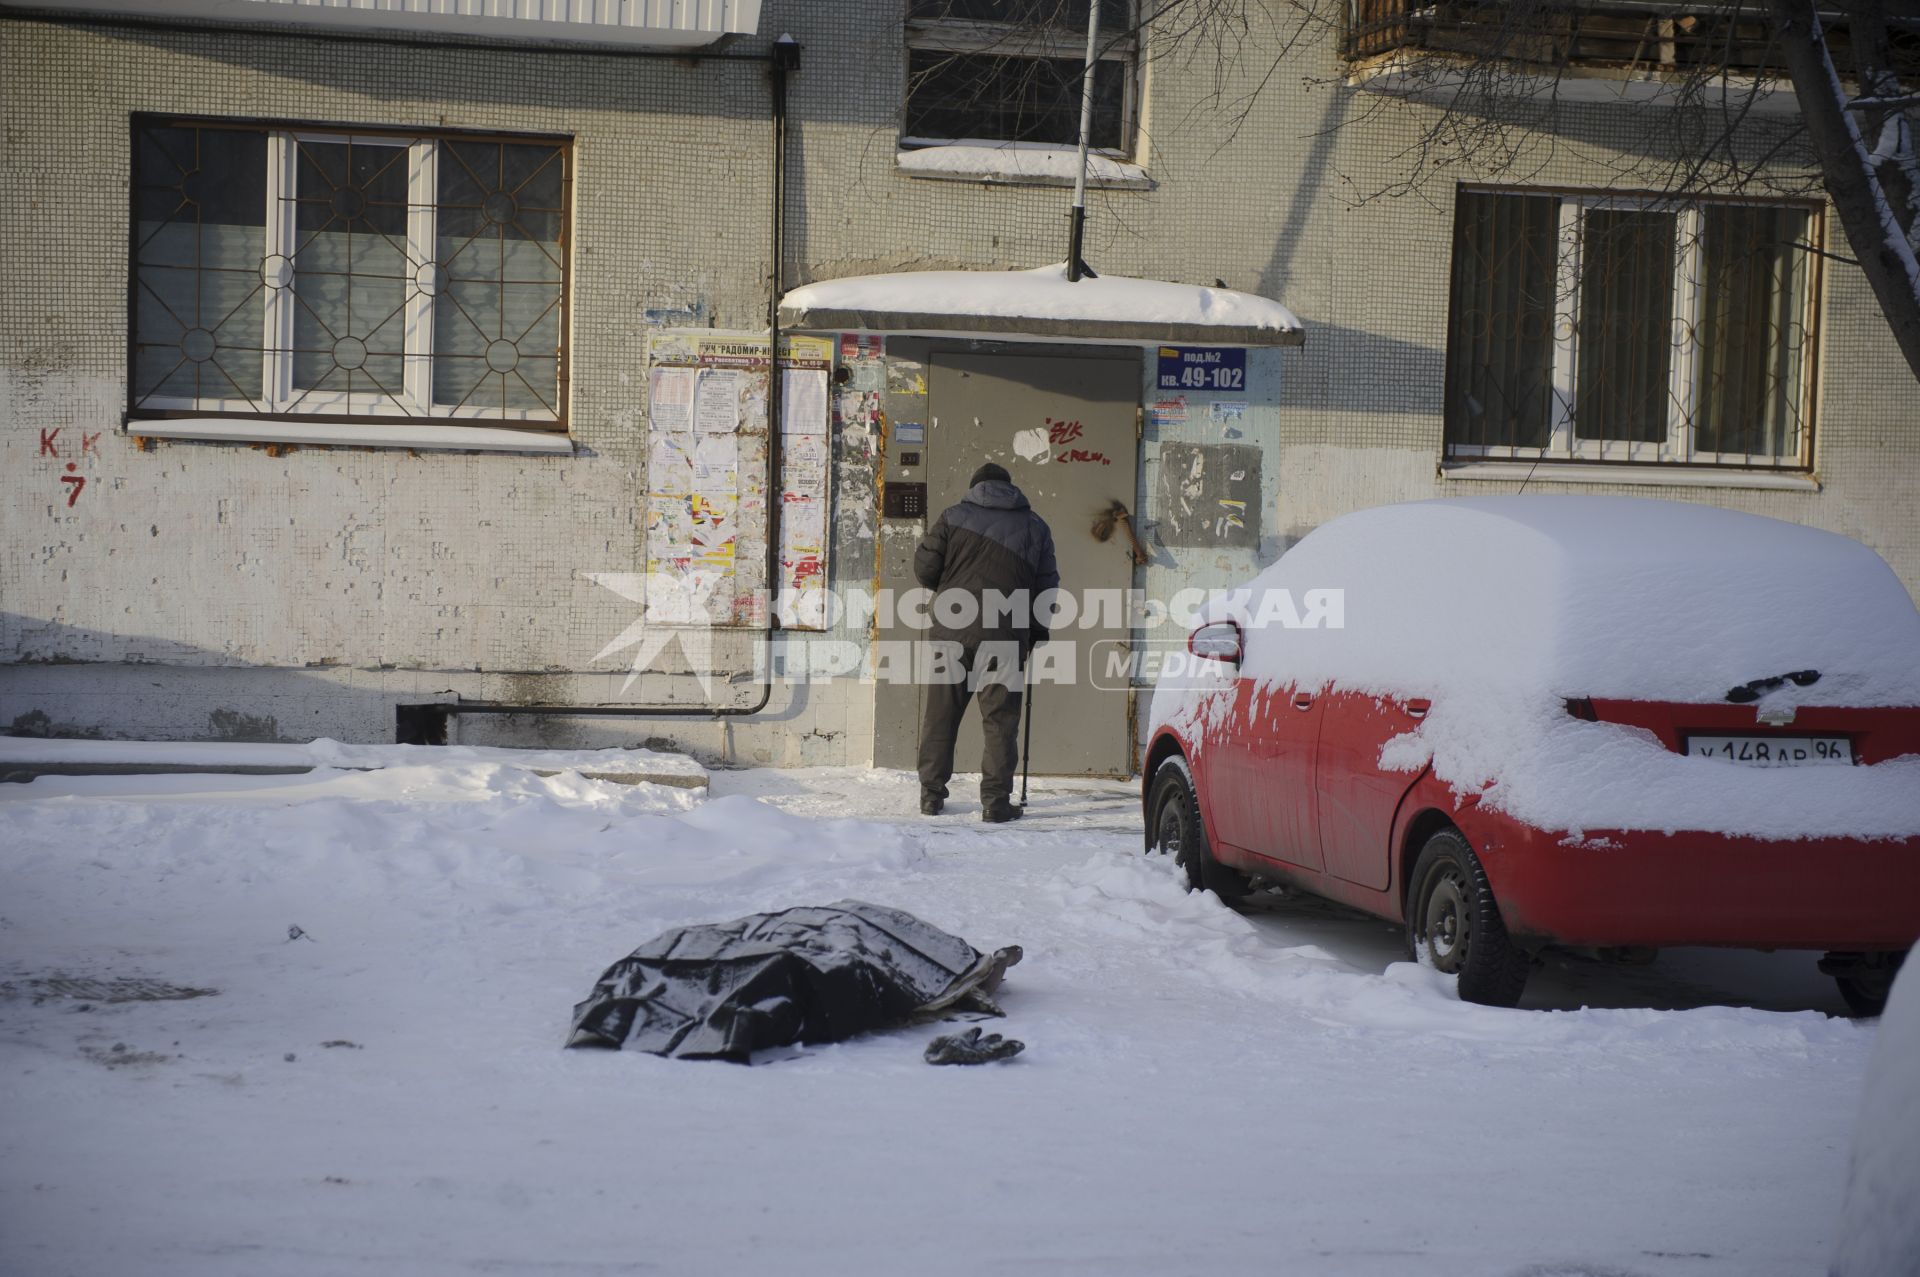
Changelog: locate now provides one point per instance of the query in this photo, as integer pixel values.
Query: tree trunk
(1876, 230)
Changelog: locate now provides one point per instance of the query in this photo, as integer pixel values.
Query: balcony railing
(1573, 34)
(661, 23)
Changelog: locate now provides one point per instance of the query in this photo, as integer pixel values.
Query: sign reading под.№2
(1203, 368)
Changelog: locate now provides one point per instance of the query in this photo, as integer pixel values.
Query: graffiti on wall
(69, 473)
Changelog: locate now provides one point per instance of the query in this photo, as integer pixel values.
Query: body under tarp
(818, 973)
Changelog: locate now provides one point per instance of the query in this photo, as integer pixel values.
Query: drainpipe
(427, 724)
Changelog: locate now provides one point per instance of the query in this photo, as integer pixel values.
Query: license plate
(1773, 751)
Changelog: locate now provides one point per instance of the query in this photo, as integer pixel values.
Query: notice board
(708, 514)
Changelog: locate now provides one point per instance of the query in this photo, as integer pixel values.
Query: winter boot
(931, 804)
(1000, 811)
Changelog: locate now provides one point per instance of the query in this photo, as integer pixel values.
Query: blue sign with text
(1203, 368)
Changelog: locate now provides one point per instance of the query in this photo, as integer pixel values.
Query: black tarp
(818, 973)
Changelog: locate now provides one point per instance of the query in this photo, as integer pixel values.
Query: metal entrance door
(1065, 429)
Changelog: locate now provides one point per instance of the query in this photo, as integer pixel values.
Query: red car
(1598, 722)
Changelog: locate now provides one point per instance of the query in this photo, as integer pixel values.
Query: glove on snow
(971, 1048)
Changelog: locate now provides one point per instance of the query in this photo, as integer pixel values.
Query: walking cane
(1026, 745)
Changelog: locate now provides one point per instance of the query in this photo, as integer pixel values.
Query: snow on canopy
(1044, 293)
(1499, 608)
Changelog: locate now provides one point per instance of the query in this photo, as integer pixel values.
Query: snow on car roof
(1593, 596)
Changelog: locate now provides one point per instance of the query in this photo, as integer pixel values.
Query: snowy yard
(1203, 1091)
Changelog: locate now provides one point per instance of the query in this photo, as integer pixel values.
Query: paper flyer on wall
(803, 593)
(803, 464)
(803, 401)
(716, 464)
(670, 399)
(804, 529)
(751, 471)
(669, 464)
(717, 401)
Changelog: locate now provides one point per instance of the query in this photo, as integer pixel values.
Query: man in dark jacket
(988, 560)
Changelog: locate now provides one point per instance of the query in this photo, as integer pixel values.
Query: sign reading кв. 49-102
(1203, 368)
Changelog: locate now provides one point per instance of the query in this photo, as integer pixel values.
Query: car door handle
(1418, 709)
(1302, 700)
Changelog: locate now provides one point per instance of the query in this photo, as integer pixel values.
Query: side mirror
(1219, 641)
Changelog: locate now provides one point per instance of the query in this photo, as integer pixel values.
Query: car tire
(1174, 828)
(1868, 983)
(1454, 926)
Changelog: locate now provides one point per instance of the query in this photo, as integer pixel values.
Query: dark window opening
(1011, 71)
(955, 96)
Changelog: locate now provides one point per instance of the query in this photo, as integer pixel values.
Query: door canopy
(1041, 305)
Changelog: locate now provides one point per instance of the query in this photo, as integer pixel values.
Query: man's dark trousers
(991, 675)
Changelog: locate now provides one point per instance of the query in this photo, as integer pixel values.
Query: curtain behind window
(1500, 329)
(1625, 342)
(1752, 330)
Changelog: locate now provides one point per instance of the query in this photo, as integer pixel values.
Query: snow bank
(1044, 293)
(1880, 1224)
(1498, 609)
(1141, 904)
(502, 836)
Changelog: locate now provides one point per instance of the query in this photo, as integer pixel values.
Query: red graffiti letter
(73, 494)
(47, 437)
(90, 443)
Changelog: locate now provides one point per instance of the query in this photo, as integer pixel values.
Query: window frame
(1020, 40)
(1685, 368)
(278, 395)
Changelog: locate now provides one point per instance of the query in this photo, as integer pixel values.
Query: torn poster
(716, 464)
(804, 463)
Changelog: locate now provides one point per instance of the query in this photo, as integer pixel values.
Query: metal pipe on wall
(427, 724)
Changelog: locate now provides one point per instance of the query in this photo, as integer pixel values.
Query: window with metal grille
(1010, 71)
(347, 274)
(1602, 328)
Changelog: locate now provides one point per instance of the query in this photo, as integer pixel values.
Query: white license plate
(1773, 751)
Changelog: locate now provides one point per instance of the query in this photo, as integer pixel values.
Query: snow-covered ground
(1203, 1091)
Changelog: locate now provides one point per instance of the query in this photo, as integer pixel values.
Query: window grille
(348, 274)
(1597, 327)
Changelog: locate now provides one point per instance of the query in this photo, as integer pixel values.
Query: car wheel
(1174, 829)
(1865, 980)
(1453, 924)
